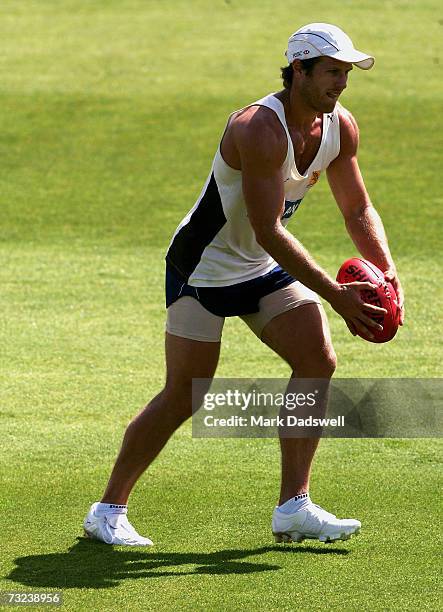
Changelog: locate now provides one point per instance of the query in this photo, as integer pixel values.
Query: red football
(356, 269)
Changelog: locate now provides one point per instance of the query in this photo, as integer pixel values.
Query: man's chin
(329, 106)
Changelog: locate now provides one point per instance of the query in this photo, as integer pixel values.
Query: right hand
(347, 301)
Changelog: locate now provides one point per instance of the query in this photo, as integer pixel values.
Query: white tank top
(215, 244)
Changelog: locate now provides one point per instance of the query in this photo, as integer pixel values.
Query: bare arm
(362, 221)
(262, 147)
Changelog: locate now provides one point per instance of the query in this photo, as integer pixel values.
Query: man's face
(322, 88)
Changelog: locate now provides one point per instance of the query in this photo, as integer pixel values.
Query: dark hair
(307, 66)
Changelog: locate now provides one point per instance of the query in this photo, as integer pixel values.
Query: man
(232, 256)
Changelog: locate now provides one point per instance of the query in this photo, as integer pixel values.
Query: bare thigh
(302, 338)
(186, 360)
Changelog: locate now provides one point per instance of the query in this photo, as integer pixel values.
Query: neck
(298, 113)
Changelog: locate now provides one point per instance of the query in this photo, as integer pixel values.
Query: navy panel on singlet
(234, 300)
(191, 240)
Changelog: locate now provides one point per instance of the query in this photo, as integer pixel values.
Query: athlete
(232, 256)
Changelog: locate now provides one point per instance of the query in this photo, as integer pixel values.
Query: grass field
(110, 114)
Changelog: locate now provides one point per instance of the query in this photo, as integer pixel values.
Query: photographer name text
(261, 421)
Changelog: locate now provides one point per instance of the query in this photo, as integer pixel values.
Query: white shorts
(187, 318)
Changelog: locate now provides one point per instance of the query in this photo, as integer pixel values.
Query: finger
(373, 308)
(400, 303)
(398, 288)
(370, 322)
(360, 285)
(362, 329)
(402, 315)
(389, 275)
(351, 327)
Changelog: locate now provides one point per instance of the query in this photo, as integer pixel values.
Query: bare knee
(177, 400)
(172, 405)
(329, 361)
(316, 363)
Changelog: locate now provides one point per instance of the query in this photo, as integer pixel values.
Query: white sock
(299, 502)
(102, 509)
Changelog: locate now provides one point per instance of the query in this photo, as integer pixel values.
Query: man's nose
(343, 81)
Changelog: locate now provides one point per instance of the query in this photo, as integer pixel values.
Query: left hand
(391, 276)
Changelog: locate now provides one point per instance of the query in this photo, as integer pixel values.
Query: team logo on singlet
(290, 208)
(314, 178)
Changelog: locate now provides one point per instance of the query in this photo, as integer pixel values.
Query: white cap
(316, 39)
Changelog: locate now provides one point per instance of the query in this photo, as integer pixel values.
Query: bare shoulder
(258, 133)
(258, 118)
(349, 133)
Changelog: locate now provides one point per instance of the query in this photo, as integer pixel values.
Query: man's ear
(296, 66)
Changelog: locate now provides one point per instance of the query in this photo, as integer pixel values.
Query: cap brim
(361, 60)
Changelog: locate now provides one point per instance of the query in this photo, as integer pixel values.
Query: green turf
(110, 114)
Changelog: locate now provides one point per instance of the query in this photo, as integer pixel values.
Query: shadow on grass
(91, 564)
